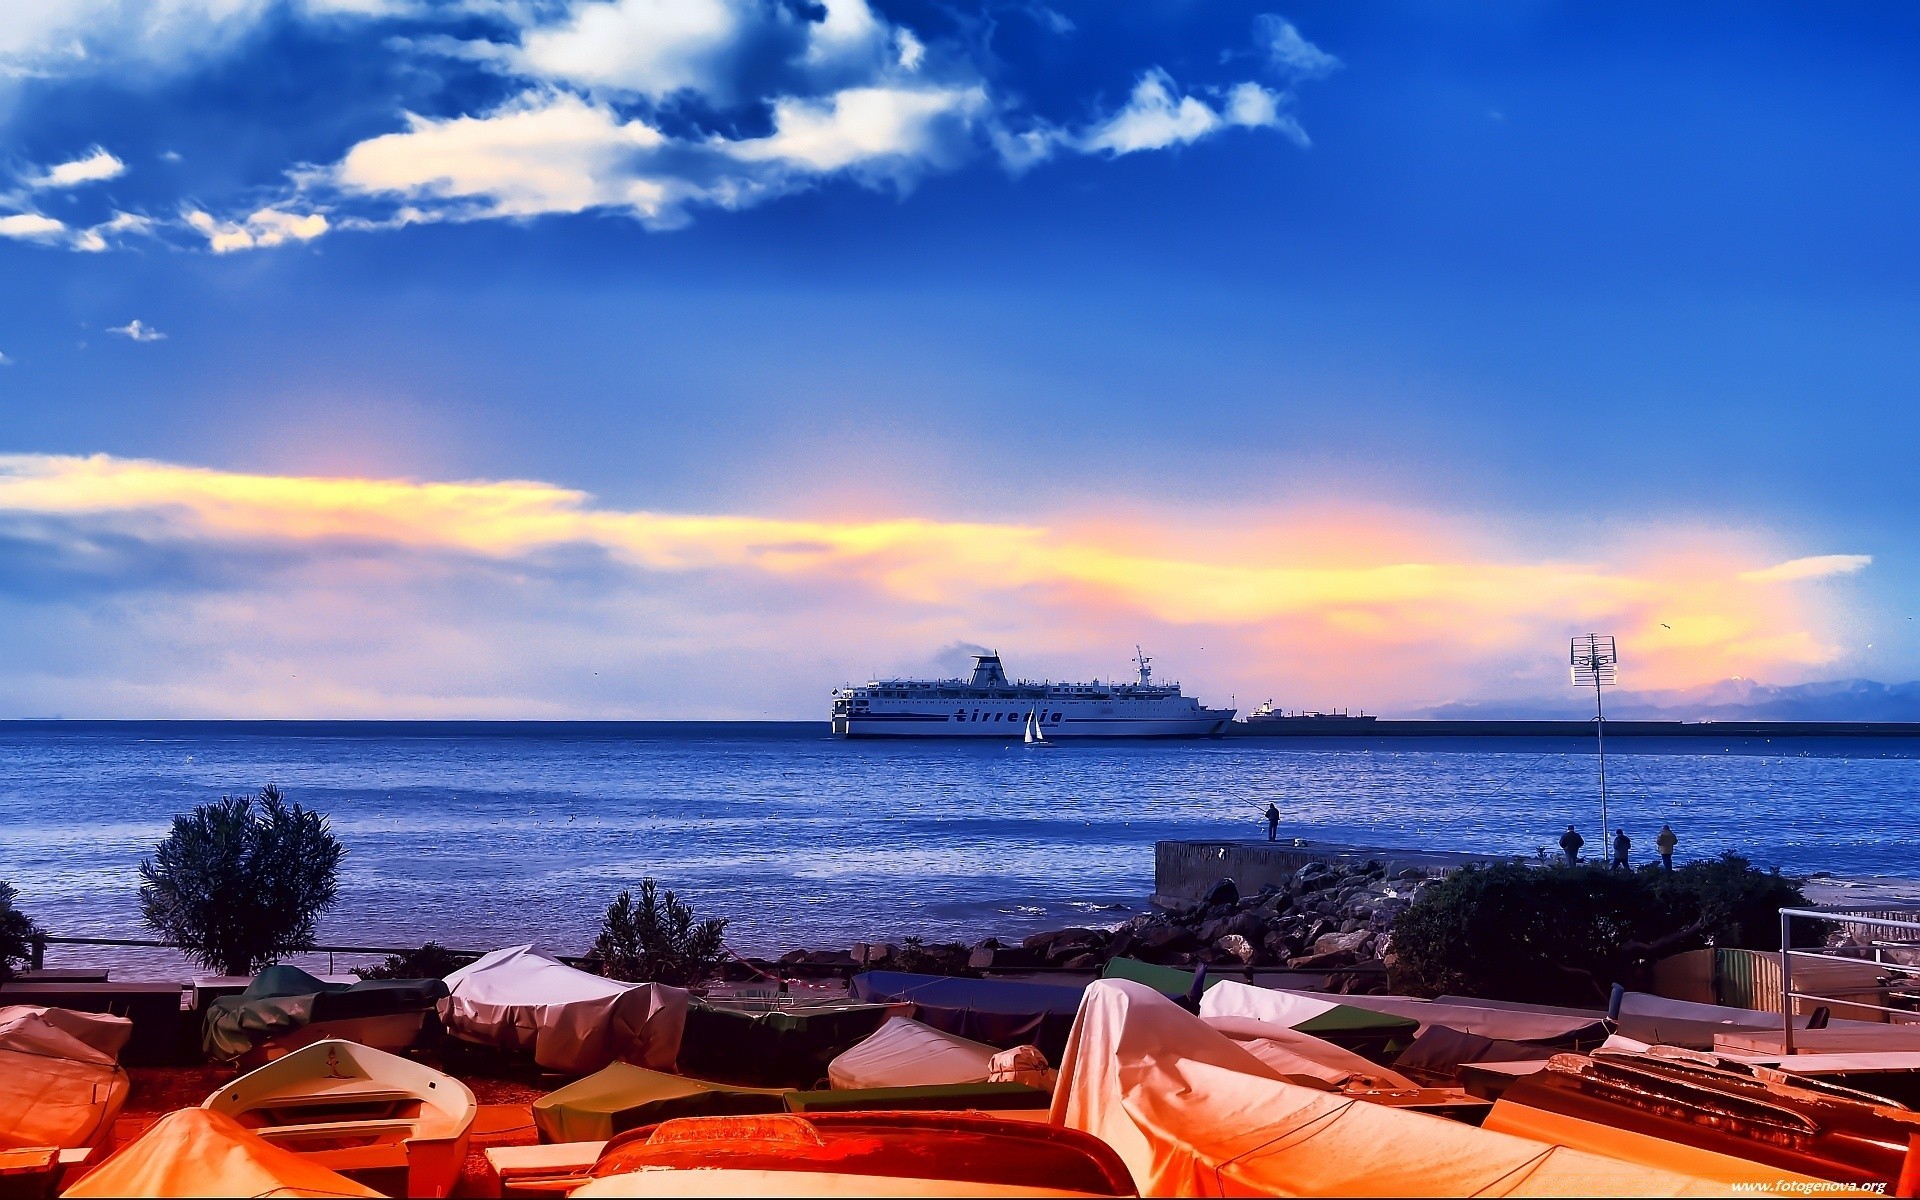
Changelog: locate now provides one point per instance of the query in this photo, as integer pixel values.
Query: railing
(38, 957)
(1895, 931)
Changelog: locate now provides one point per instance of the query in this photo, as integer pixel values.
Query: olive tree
(239, 883)
(17, 933)
(657, 940)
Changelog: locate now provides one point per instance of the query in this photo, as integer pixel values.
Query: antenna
(1595, 662)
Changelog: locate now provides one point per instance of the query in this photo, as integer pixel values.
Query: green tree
(239, 883)
(657, 940)
(431, 961)
(1565, 935)
(17, 932)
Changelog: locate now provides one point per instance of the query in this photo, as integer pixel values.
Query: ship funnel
(987, 671)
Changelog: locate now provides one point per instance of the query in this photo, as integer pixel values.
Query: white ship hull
(888, 725)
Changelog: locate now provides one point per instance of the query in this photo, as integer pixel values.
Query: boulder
(1040, 942)
(1214, 930)
(1329, 961)
(1224, 891)
(1166, 940)
(1235, 946)
(1002, 958)
(1084, 962)
(1345, 942)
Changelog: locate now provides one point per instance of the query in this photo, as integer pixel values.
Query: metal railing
(37, 959)
(1897, 932)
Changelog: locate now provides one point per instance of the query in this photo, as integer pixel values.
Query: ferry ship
(990, 705)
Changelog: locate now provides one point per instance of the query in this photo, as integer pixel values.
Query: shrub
(240, 882)
(17, 932)
(1565, 935)
(431, 961)
(656, 940)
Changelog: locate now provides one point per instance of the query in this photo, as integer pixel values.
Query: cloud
(1818, 566)
(262, 227)
(1157, 116)
(71, 37)
(31, 227)
(5, 360)
(1290, 53)
(860, 126)
(139, 331)
(98, 165)
(489, 589)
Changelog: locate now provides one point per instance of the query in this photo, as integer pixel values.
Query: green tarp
(1378, 1036)
(1168, 981)
(622, 1097)
(781, 1048)
(283, 998)
(946, 1097)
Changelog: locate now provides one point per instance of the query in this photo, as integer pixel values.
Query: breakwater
(1347, 727)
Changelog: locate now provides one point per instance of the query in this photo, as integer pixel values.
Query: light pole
(1594, 660)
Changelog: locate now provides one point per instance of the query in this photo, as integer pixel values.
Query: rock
(1002, 958)
(1214, 930)
(1124, 943)
(1235, 946)
(1411, 873)
(869, 954)
(1082, 962)
(1322, 962)
(1248, 925)
(1039, 942)
(1224, 891)
(1352, 924)
(1347, 941)
(1168, 940)
(793, 958)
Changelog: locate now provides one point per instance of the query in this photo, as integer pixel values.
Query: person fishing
(1273, 823)
(1667, 840)
(1621, 844)
(1570, 843)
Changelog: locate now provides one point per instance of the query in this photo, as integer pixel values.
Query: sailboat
(1034, 735)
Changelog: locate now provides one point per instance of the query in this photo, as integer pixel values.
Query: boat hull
(1205, 724)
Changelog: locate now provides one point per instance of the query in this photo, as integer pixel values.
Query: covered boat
(359, 1111)
(905, 1053)
(772, 1045)
(285, 1008)
(196, 1152)
(982, 1154)
(999, 1012)
(105, 1032)
(1193, 1114)
(55, 1088)
(619, 1097)
(522, 999)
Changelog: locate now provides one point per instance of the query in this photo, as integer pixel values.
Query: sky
(690, 358)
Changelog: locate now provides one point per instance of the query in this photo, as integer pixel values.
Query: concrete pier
(1183, 871)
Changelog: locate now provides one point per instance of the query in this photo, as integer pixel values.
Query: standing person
(1667, 840)
(1621, 844)
(1570, 843)
(1273, 823)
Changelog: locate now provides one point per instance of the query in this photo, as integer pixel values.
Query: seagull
(1664, 625)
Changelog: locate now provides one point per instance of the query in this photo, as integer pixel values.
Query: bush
(1565, 935)
(239, 883)
(431, 961)
(17, 932)
(657, 941)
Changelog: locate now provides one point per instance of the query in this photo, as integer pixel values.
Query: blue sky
(1619, 293)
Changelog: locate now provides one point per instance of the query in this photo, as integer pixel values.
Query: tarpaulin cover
(998, 1012)
(1168, 981)
(1376, 1035)
(104, 1032)
(780, 1048)
(1500, 1024)
(1193, 1114)
(621, 1097)
(1443, 1050)
(198, 1152)
(1302, 1056)
(281, 999)
(523, 999)
(55, 1090)
(986, 1097)
(905, 1053)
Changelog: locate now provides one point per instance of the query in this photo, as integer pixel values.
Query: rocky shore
(1330, 918)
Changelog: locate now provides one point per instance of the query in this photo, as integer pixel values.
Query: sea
(480, 835)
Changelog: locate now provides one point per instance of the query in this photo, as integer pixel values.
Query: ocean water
(481, 835)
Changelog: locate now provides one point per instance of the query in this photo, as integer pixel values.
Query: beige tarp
(1230, 999)
(1292, 1053)
(905, 1053)
(106, 1033)
(198, 1152)
(55, 1090)
(1193, 1114)
(725, 1182)
(523, 999)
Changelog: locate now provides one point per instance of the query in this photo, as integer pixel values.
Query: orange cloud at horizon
(1322, 606)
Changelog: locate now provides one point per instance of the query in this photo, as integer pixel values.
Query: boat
(1267, 714)
(1036, 736)
(193, 1152)
(59, 1089)
(364, 1113)
(990, 704)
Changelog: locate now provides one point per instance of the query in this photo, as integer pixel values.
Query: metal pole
(1786, 983)
(1600, 734)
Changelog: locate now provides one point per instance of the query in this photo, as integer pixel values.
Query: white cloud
(31, 227)
(1291, 53)
(98, 165)
(542, 153)
(1156, 117)
(138, 331)
(1817, 566)
(861, 125)
(262, 228)
(652, 47)
(5, 360)
(73, 36)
